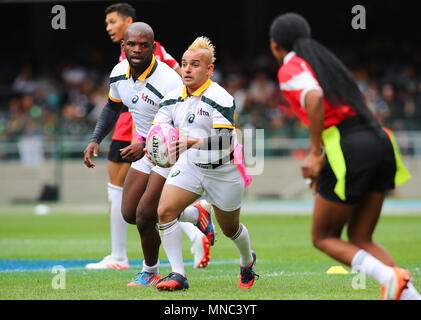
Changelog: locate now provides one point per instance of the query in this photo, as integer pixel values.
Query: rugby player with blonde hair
(204, 114)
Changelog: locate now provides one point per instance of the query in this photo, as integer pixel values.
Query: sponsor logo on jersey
(135, 99)
(201, 112)
(191, 118)
(147, 100)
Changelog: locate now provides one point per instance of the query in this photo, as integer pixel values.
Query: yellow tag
(337, 270)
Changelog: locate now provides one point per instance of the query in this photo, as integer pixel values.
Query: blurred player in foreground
(118, 17)
(138, 82)
(204, 114)
(361, 160)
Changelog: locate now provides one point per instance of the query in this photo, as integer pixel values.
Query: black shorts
(358, 160)
(114, 154)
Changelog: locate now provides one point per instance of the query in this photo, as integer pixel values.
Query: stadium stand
(38, 104)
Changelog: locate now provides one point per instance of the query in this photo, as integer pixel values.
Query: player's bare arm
(312, 165)
(221, 140)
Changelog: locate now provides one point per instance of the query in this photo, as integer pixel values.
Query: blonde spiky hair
(204, 43)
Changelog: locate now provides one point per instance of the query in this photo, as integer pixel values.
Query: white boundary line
(392, 207)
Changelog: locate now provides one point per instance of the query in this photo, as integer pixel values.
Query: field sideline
(289, 267)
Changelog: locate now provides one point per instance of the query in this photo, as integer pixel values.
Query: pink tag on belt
(139, 137)
(239, 161)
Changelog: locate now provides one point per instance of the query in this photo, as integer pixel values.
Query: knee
(358, 239)
(128, 215)
(131, 219)
(319, 241)
(316, 241)
(229, 231)
(165, 213)
(146, 218)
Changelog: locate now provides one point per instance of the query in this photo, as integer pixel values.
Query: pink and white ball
(158, 144)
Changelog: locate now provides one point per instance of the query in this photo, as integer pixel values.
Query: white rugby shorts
(222, 186)
(145, 166)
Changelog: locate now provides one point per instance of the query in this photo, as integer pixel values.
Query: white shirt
(196, 116)
(143, 95)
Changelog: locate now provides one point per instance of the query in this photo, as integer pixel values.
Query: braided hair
(293, 33)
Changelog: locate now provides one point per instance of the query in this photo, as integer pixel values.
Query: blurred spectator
(376, 103)
(25, 82)
(31, 151)
(66, 99)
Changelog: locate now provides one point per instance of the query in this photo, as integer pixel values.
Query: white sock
(188, 219)
(171, 241)
(372, 266)
(410, 293)
(153, 269)
(118, 225)
(190, 230)
(190, 214)
(241, 240)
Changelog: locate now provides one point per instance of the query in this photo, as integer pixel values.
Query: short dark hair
(123, 9)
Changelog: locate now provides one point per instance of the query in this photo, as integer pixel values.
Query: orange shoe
(393, 288)
(201, 251)
(174, 281)
(247, 274)
(205, 223)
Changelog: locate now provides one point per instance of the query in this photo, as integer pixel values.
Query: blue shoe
(145, 279)
(174, 281)
(205, 223)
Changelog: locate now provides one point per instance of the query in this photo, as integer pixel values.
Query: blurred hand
(310, 169)
(91, 148)
(133, 152)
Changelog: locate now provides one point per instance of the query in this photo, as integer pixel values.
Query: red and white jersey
(122, 56)
(123, 127)
(161, 54)
(296, 78)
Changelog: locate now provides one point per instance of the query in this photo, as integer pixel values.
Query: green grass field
(289, 267)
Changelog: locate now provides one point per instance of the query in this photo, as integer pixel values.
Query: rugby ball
(158, 144)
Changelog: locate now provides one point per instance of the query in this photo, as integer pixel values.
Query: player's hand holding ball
(182, 144)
